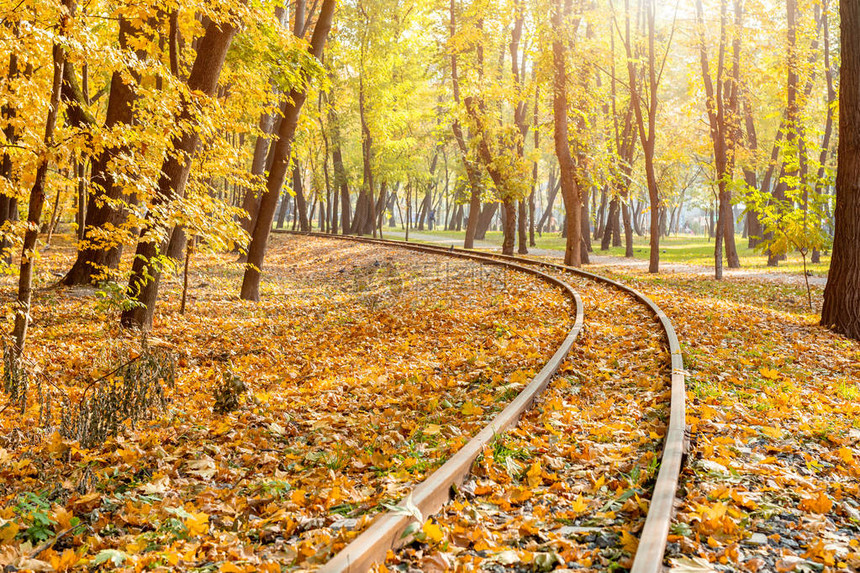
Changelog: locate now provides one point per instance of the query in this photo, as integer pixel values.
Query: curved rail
(652, 541)
(433, 492)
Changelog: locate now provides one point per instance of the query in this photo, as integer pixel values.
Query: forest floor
(772, 480)
(327, 429)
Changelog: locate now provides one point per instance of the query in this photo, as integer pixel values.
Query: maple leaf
(769, 373)
(65, 519)
(579, 505)
(470, 409)
(197, 523)
(65, 560)
(521, 494)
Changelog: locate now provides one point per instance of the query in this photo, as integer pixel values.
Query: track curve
(384, 532)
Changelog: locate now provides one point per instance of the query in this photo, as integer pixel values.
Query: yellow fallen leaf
(197, 524)
(8, 531)
(521, 494)
(534, 475)
(470, 409)
(578, 505)
(432, 430)
(433, 532)
(629, 542)
(64, 561)
(769, 373)
(63, 517)
(229, 567)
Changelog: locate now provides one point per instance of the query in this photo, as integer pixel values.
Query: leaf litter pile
(569, 486)
(289, 424)
(772, 482)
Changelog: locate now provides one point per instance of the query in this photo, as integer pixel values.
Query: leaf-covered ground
(365, 367)
(570, 485)
(772, 481)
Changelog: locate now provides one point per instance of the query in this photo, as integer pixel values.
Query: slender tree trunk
(9, 204)
(647, 134)
(552, 191)
(300, 200)
(570, 193)
(37, 194)
(280, 162)
(251, 198)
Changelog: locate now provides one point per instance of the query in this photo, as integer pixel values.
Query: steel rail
(372, 545)
(652, 540)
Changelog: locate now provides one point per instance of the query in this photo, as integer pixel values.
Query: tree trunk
(841, 310)
(628, 231)
(95, 256)
(146, 269)
(570, 193)
(510, 226)
(552, 191)
(251, 199)
(8, 204)
(301, 203)
(280, 153)
(37, 194)
(522, 228)
(611, 222)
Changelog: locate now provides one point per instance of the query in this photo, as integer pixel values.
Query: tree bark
(570, 193)
(37, 193)
(146, 269)
(280, 153)
(841, 310)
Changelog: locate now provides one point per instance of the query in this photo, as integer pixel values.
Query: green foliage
(35, 511)
(792, 223)
(112, 297)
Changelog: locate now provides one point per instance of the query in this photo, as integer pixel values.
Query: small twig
(51, 542)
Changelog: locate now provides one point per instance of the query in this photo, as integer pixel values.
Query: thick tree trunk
(146, 269)
(280, 162)
(485, 219)
(841, 310)
(96, 257)
(611, 222)
(628, 231)
(522, 228)
(510, 226)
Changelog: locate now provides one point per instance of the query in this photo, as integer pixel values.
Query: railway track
(372, 545)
